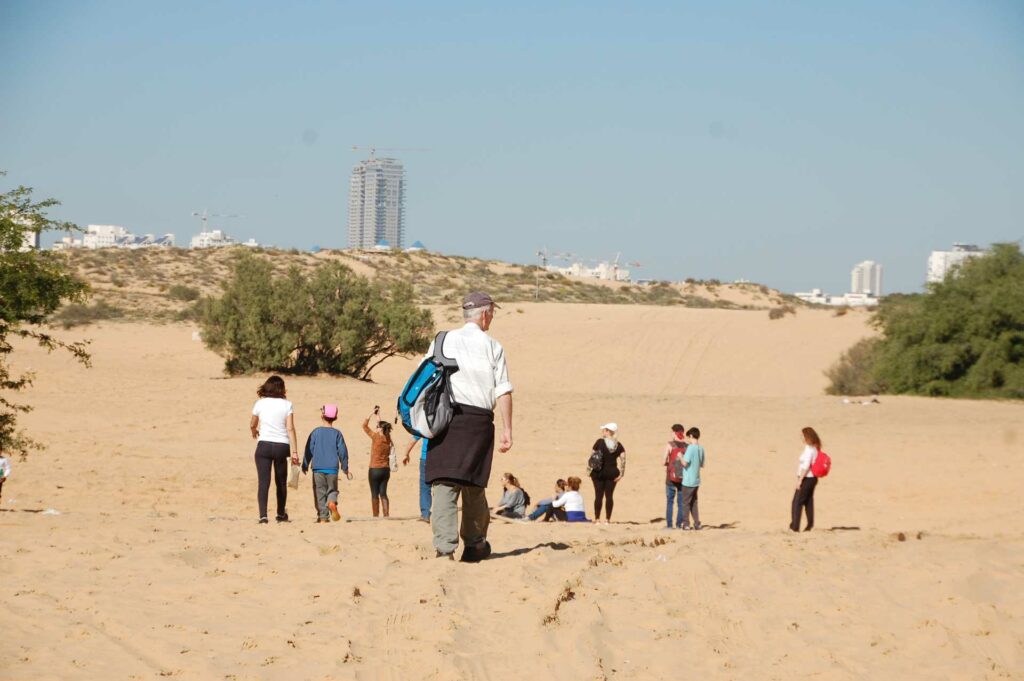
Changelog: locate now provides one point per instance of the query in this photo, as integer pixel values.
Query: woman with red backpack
(807, 480)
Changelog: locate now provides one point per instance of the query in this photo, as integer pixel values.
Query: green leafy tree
(333, 321)
(33, 285)
(964, 337)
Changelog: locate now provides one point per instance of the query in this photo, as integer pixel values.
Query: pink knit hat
(330, 411)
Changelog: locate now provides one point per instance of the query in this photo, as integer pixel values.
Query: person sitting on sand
(513, 502)
(325, 449)
(380, 462)
(572, 502)
(545, 507)
(613, 469)
(5, 470)
(273, 427)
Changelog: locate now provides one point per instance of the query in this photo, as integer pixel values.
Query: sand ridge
(155, 567)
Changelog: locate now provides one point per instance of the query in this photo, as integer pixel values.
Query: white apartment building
(866, 278)
(941, 262)
(103, 236)
(818, 297)
(604, 271)
(215, 238)
(30, 241)
(376, 204)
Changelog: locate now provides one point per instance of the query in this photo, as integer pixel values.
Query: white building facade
(376, 204)
(604, 271)
(866, 278)
(114, 236)
(215, 238)
(941, 262)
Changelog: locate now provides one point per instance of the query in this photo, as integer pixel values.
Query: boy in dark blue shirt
(325, 449)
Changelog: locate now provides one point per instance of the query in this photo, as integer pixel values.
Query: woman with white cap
(610, 459)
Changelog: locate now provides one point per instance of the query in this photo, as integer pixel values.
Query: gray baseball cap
(478, 299)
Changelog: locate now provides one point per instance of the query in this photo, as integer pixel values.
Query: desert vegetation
(963, 338)
(332, 320)
(162, 285)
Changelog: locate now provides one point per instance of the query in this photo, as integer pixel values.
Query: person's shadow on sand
(556, 546)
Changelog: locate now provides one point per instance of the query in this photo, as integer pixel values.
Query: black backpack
(596, 462)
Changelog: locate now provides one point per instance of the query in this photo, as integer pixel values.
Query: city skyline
(774, 143)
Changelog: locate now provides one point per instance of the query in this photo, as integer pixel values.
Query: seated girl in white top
(572, 502)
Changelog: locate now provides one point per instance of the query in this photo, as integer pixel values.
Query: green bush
(332, 321)
(79, 314)
(854, 372)
(781, 311)
(184, 293)
(963, 338)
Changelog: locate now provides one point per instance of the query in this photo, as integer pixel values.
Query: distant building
(113, 236)
(30, 241)
(941, 262)
(376, 204)
(604, 271)
(215, 238)
(818, 297)
(417, 247)
(103, 236)
(866, 278)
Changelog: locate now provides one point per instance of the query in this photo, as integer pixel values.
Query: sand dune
(155, 567)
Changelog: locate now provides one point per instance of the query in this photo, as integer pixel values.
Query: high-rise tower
(376, 204)
(866, 277)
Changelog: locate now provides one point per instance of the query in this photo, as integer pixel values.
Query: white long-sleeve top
(807, 457)
(571, 500)
(5, 466)
(483, 374)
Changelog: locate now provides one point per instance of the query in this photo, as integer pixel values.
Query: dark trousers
(689, 495)
(379, 483)
(604, 491)
(803, 498)
(272, 455)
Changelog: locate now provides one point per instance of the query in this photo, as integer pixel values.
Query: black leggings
(604, 491)
(803, 498)
(379, 482)
(272, 455)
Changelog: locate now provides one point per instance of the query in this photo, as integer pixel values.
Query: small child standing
(5, 470)
(693, 461)
(325, 449)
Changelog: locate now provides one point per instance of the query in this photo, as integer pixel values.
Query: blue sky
(777, 142)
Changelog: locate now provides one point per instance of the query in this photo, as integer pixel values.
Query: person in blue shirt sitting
(325, 450)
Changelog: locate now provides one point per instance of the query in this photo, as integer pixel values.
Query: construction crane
(373, 150)
(204, 217)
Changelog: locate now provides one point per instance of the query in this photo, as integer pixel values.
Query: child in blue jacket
(325, 450)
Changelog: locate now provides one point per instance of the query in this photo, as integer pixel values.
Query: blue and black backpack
(426, 404)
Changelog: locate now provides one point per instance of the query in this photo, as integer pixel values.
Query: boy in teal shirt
(693, 461)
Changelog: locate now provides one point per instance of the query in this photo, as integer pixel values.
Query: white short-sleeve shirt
(273, 413)
(483, 374)
(807, 457)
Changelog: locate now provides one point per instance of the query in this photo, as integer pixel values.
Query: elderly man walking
(459, 460)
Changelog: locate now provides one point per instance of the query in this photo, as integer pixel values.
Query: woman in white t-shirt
(803, 497)
(273, 425)
(572, 502)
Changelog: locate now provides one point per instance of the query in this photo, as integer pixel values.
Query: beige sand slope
(155, 566)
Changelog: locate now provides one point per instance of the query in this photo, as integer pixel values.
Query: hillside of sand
(151, 564)
(162, 284)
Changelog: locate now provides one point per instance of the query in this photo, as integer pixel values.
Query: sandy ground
(155, 566)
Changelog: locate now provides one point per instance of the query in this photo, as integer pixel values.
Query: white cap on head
(614, 427)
